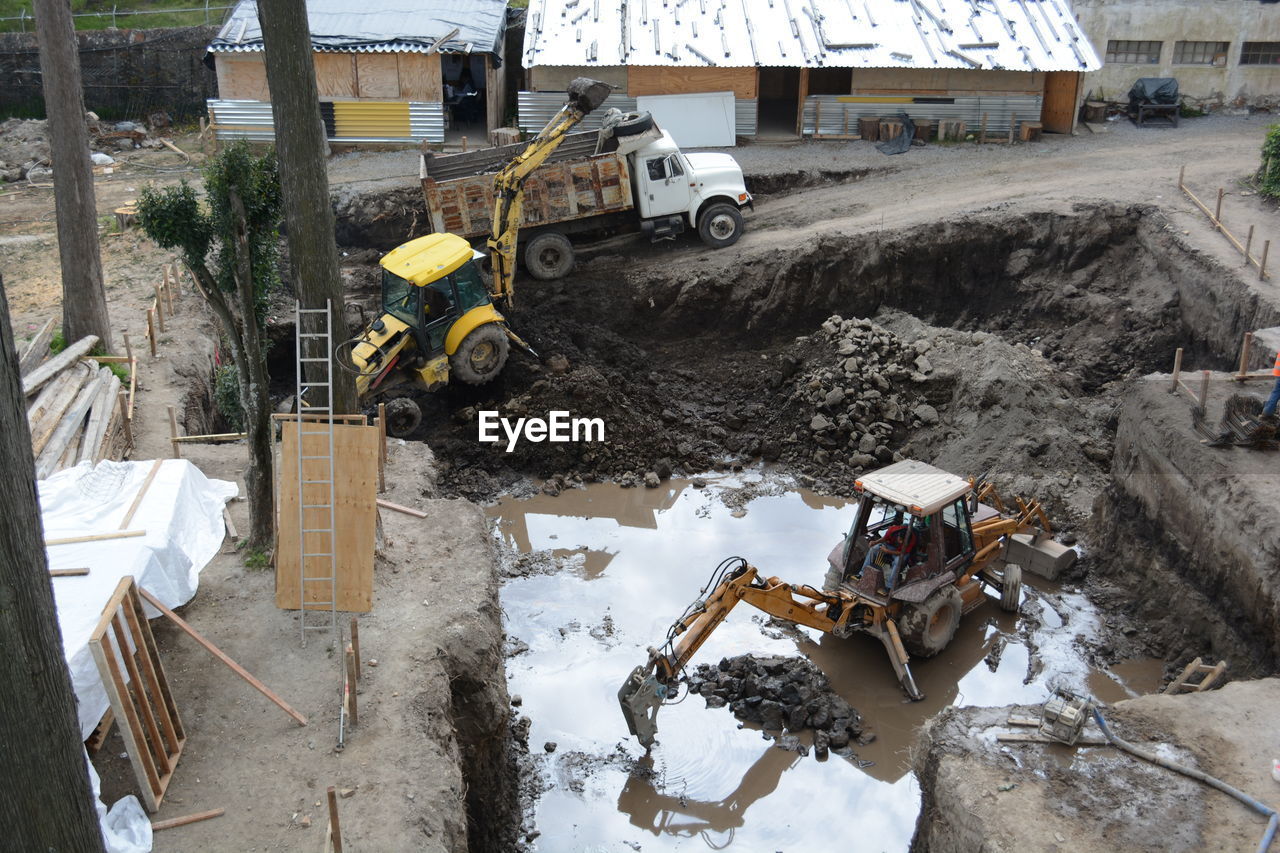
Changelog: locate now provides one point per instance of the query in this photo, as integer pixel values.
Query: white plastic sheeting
(702, 120)
(125, 828)
(182, 516)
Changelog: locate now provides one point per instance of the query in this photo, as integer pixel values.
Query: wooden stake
(1244, 355)
(173, 432)
(335, 829)
(352, 681)
(464, 145)
(1177, 369)
(128, 347)
(1182, 173)
(96, 537)
(125, 420)
(142, 490)
(151, 329)
(158, 825)
(1262, 267)
(355, 643)
(416, 513)
(230, 525)
(382, 452)
(1248, 244)
(159, 307)
(1204, 388)
(1217, 211)
(168, 296)
(222, 656)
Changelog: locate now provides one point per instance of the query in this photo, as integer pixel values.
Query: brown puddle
(634, 559)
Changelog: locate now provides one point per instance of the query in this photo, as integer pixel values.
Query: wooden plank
(360, 420)
(230, 525)
(1177, 683)
(1032, 737)
(51, 368)
(352, 684)
(377, 75)
(37, 349)
(672, 80)
(99, 418)
(99, 735)
(221, 655)
(68, 573)
(219, 436)
(335, 828)
(96, 537)
(69, 427)
(170, 823)
(241, 76)
(355, 493)
(52, 402)
(420, 78)
(136, 688)
(131, 728)
(148, 641)
(335, 74)
(142, 490)
(134, 620)
(416, 513)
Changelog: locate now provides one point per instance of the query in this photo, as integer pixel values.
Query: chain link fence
(195, 16)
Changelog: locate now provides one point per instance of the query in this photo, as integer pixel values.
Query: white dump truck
(628, 176)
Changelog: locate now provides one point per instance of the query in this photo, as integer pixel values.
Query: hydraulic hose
(1200, 775)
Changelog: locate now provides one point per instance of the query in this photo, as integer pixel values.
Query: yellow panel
(426, 259)
(420, 78)
(335, 74)
(377, 75)
(355, 119)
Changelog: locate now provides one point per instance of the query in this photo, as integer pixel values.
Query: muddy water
(634, 558)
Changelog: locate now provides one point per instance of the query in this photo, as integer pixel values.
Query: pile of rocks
(864, 393)
(781, 694)
(24, 143)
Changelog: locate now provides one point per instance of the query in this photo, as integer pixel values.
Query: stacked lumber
(76, 408)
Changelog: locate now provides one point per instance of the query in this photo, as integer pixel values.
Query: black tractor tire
(720, 225)
(403, 417)
(1011, 588)
(481, 355)
(928, 627)
(632, 124)
(548, 256)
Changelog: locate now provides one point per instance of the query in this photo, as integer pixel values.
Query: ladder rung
(317, 506)
(312, 310)
(325, 360)
(315, 482)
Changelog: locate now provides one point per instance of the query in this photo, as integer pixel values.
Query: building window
(1260, 53)
(1133, 52)
(1200, 53)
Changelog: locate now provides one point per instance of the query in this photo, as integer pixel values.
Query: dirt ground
(697, 365)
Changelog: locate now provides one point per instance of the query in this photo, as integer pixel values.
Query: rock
(652, 480)
(867, 444)
(862, 460)
(550, 488)
(846, 347)
(819, 423)
(883, 454)
(126, 144)
(923, 364)
(698, 483)
(927, 414)
(557, 364)
(839, 739)
(851, 366)
(346, 793)
(834, 397)
(516, 700)
(821, 457)
(714, 701)
(549, 746)
(304, 821)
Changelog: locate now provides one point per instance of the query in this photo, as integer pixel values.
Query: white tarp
(701, 120)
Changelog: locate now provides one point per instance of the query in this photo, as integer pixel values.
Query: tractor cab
(911, 533)
(428, 299)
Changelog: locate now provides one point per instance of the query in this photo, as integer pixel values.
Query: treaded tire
(1011, 588)
(720, 225)
(403, 417)
(632, 124)
(481, 355)
(548, 256)
(928, 627)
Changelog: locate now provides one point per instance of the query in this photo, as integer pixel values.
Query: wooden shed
(383, 76)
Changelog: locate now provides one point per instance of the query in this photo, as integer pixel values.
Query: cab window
(399, 297)
(956, 535)
(657, 168)
(471, 287)
(674, 167)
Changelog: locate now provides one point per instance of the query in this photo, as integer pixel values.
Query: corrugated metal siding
(538, 108)
(1000, 110)
(1014, 35)
(371, 122)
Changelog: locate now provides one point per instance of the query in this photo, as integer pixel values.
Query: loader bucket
(640, 697)
(587, 94)
(1040, 556)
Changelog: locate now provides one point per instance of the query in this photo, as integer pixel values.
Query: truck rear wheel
(549, 256)
(481, 355)
(928, 627)
(720, 225)
(403, 416)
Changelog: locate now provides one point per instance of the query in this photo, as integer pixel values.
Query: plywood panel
(377, 75)
(335, 74)
(355, 451)
(1060, 92)
(555, 78)
(661, 80)
(242, 77)
(420, 78)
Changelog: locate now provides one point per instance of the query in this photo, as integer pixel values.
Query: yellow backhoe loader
(438, 319)
(923, 545)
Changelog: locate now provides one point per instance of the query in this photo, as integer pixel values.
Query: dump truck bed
(573, 184)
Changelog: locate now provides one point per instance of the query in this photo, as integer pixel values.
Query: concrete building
(713, 69)
(1222, 52)
(385, 73)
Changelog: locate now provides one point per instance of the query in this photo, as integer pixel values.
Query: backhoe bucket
(587, 94)
(1044, 557)
(640, 697)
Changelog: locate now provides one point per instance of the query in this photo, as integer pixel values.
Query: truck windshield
(471, 287)
(399, 297)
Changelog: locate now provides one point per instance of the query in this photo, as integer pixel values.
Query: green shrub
(57, 343)
(226, 397)
(1269, 174)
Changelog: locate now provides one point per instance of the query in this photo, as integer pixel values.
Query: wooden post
(352, 681)
(1013, 121)
(982, 134)
(355, 643)
(1182, 173)
(464, 145)
(125, 420)
(1248, 244)
(382, 452)
(128, 347)
(151, 329)
(159, 307)
(1244, 355)
(1204, 389)
(168, 295)
(1217, 211)
(1177, 369)
(1262, 267)
(173, 432)
(335, 830)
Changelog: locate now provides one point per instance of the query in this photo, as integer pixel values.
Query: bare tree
(84, 302)
(47, 804)
(304, 183)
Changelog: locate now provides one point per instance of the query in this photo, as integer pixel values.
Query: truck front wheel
(481, 355)
(549, 256)
(720, 225)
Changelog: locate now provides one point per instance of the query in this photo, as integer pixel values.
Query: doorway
(779, 104)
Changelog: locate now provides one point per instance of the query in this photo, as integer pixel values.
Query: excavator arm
(651, 684)
(508, 186)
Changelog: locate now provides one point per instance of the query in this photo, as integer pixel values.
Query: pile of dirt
(25, 151)
(781, 694)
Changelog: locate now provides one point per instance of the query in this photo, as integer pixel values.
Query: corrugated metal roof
(1012, 35)
(378, 26)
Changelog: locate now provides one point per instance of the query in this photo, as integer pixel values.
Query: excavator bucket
(641, 696)
(1040, 555)
(587, 94)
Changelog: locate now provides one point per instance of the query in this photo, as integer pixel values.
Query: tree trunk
(84, 302)
(47, 802)
(304, 184)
